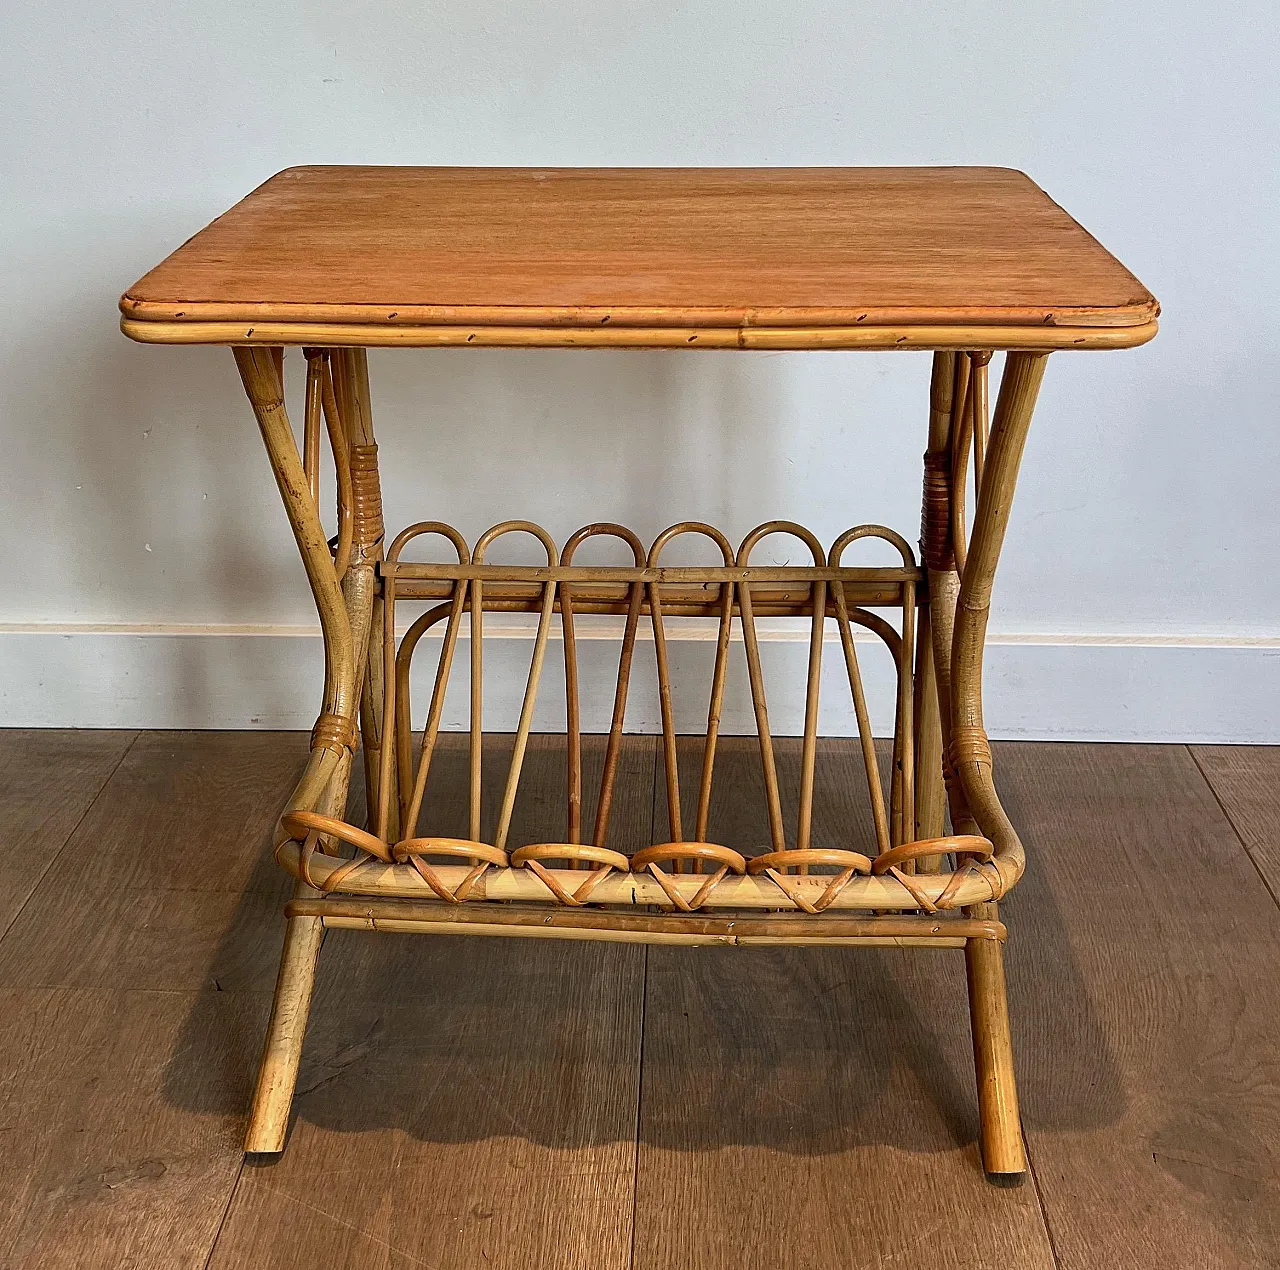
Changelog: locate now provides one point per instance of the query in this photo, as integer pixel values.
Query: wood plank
(121, 1139)
(1246, 780)
(48, 779)
(814, 1107)
(698, 247)
(168, 882)
(129, 1105)
(1144, 954)
(464, 1102)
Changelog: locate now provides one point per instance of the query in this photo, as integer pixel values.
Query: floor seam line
(1040, 1204)
(1235, 830)
(71, 833)
(226, 1212)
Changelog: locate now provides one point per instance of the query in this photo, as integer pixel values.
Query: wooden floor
(527, 1104)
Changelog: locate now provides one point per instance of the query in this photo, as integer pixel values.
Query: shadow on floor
(800, 1050)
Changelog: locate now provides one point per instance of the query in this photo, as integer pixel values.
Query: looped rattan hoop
(663, 852)
(967, 847)
(879, 533)
(481, 853)
(851, 864)
(309, 827)
(961, 844)
(531, 857)
(424, 528)
(298, 824)
(770, 527)
(492, 534)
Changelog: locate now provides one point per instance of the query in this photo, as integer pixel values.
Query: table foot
(269, 1119)
(1003, 1157)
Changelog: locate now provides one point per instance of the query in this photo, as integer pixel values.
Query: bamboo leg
(359, 584)
(1003, 1159)
(323, 783)
(970, 758)
(269, 1119)
(948, 391)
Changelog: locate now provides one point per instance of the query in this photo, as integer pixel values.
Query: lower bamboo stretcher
(734, 928)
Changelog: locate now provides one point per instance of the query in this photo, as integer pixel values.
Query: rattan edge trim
(1137, 312)
(1044, 338)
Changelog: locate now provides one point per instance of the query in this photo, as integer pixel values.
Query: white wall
(1143, 547)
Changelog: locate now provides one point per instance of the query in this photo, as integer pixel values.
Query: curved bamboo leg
(345, 615)
(359, 583)
(958, 609)
(1003, 1153)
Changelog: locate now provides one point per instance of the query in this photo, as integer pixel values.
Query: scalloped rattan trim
(851, 864)
(481, 853)
(960, 844)
(531, 858)
(725, 857)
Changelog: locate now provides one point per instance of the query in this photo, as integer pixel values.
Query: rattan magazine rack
(963, 262)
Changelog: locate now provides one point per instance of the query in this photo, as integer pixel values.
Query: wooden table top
(702, 257)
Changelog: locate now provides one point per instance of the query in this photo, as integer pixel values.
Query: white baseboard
(1098, 688)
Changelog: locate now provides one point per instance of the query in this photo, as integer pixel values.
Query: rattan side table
(962, 262)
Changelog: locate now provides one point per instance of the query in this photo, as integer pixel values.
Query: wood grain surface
(644, 247)
(1246, 781)
(139, 898)
(126, 1067)
(36, 826)
(121, 1138)
(1144, 958)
